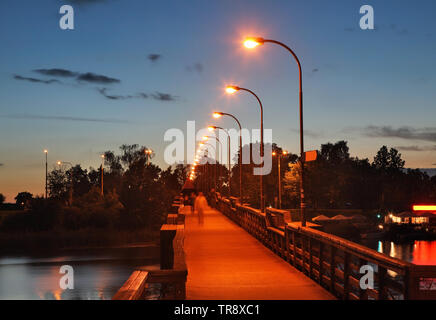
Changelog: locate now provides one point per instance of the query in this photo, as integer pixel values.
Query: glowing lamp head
(231, 89)
(285, 153)
(274, 153)
(211, 128)
(45, 151)
(201, 144)
(251, 43)
(217, 115)
(59, 163)
(205, 138)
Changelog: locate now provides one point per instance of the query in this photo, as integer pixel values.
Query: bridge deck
(225, 262)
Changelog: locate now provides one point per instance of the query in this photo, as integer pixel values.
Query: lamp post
(206, 138)
(279, 160)
(210, 145)
(46, 173)
(253, 43)
(231, 90)
(219, 115)
(212, 128)
(148, 153)
(70, 196)
(102, 174)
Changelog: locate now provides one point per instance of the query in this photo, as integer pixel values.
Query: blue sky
(369, 87)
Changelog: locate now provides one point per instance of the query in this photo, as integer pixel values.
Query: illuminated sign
(424, 208)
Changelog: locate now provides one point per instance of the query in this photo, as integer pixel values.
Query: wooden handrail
(330, 260)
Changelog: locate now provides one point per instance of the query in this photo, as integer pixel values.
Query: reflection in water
(98, 273)
(418, 252)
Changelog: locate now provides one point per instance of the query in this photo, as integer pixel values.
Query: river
(421, 252)
(98, 273)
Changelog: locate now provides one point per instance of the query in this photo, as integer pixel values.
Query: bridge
(242, 253)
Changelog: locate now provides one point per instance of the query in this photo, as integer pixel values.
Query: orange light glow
(285, 153)
(251, 43)
(59, 163)
(45, 151)
(205, 138)
(274, 153)
(231, 89)
(217, 115)
(424, 208)
(211, 128)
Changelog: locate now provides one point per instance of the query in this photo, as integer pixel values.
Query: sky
(132, 69)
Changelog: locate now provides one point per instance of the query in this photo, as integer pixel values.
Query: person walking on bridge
(200, 206)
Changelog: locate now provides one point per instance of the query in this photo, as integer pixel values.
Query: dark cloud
(163, 96)
(2, 164)
(103, 92)
(417, 148)
(56, 72)
(315, 70)
(197, 67)
(62, 118)
(96, 78)
(154, 57)
(35, 80)
(407, 133)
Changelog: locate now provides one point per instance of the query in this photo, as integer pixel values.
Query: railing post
(346, 275)
(332, 268)
(382, 294)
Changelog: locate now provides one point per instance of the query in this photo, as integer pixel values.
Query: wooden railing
(335, 263)
(172, 276)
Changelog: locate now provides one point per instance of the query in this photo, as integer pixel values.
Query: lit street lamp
(212, 128)
(148, 153)
(206, 138)
(279, 160)
(46, 172)
(102, 171)
(71, 184)
(253, 43)
(218, 115)
(231, 90)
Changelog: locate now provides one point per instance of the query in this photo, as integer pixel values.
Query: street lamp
(206, 138)
(231, 90)
(148, 153)
(102, 171)
(46, 172)
(213, 147)
(251, 43)
(279, 160)
(60, 163)
(218, 115)
(212, 128)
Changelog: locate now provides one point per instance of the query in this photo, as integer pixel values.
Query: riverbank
(56, 240)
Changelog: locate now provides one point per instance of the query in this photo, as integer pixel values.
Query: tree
(2, 198)
(23, 198)
(388, 161)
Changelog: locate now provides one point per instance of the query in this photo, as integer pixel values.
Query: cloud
(62, 118)
(140, 95)
(2, 164)
(417, 148)
(154, 57)
(308, 133)
(163, 96)
(96, 78)
(315, 70)
(56, 72)
(407, 133)
(35, 80)
(112, 97)
(197, 67)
